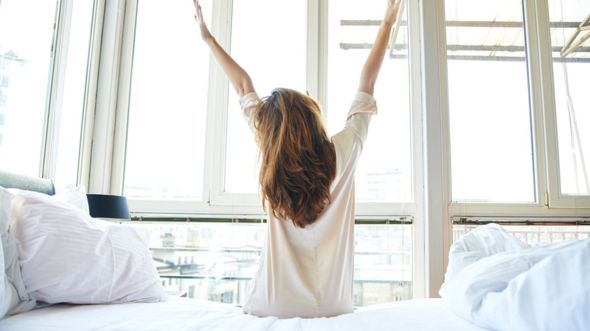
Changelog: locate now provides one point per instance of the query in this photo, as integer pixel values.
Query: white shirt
(308, 272)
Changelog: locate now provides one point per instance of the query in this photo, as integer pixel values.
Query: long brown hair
(298, 159)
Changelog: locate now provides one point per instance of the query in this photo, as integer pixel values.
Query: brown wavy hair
(298, 160)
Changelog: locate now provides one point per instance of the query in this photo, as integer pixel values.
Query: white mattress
(191, 314)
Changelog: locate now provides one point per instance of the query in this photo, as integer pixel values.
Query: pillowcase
(13, 295)
(75, 196)
(67, 256)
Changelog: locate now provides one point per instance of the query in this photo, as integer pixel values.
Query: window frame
(554, 198)
(543, 127)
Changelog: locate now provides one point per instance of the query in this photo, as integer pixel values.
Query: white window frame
(553, 196)
(539, 67)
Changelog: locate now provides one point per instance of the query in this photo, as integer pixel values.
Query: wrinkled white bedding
(498, 282)
(192, 314)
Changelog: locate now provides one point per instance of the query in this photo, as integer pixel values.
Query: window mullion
(419, 239)
(535, 49)
(101, 165)
(122, 108)
(55, 93)
(91, 94)
(436, 144)
(317, 51)
(217, 107)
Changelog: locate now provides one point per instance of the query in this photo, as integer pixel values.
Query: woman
(307, 184)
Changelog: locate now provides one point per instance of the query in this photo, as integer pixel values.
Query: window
(571, 69)
(69, 124)
(273, 51)
(168, 104)
(384, 173)
(490, 120)
(26, 38)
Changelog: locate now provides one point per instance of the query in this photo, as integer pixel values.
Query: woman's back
(308, 272)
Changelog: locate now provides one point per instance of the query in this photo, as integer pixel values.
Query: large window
(490, 120)
(384, 173)
(26, 37)
(168, 104)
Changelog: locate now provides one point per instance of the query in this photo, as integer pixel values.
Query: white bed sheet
(192, 314)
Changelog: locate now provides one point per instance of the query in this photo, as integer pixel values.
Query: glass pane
(167, 115)
(216, 262)
(384, 172)
(273, 51)
(490, 121)
(534, 234)
(571, 69)
(73, 94)
(25, 60)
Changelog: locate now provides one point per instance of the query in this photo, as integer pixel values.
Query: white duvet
(498, 282)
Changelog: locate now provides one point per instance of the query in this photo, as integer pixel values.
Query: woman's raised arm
(237, 75)
(375, 59)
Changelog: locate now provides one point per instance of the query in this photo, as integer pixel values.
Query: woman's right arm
(375, 59)
(237, 75)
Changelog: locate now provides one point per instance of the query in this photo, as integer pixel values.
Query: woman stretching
(307, 184)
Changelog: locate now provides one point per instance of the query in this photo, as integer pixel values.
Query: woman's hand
(391, 12)
(205, 34)
(375, 59)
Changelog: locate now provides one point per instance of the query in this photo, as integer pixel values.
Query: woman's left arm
(239, 78)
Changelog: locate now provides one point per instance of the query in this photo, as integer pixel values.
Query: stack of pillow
(52, 251)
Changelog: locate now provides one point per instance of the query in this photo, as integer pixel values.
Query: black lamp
(108, 206)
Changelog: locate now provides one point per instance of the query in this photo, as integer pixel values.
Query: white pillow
(75, 196)
(67, 256)
(13, 295)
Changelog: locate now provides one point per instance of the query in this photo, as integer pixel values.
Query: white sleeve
(359, 116)
(248, 102)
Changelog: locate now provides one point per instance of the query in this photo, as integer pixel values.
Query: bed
(493, 281)
(177, 313)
